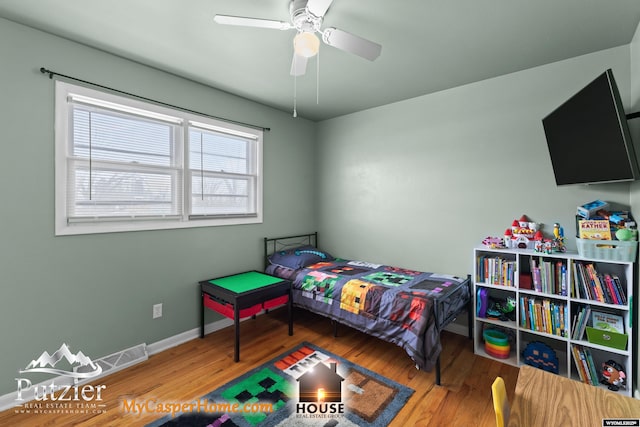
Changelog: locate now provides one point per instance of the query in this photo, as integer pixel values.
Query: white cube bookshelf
(508, 273)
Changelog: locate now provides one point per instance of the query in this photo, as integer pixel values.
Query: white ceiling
(427, 45)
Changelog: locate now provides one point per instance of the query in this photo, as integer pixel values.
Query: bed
(405, 307)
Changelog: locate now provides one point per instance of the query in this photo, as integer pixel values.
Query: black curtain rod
(53, 73)
(633, 115)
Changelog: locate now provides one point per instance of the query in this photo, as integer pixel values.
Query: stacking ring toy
(496, 343)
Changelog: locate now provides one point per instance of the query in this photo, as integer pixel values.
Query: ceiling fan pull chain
(318, 79)
(295, 93)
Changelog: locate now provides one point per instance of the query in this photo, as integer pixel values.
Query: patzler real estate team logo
(60, 398)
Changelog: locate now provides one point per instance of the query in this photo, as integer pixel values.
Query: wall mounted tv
(588, 136)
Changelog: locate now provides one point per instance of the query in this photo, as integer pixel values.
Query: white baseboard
(183, 337)
(9, 401)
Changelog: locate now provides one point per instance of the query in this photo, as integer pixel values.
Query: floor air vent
(117, 361)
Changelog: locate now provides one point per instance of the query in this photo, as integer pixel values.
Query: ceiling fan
(306, 19)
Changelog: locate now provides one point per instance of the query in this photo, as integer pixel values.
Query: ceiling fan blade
(298, 65)
(318, 7)
(351, 43)
(252, 22)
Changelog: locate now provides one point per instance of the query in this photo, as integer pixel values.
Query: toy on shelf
(626, 234)
(482, 302)
(558, 231)
(522, 233)
(501, 309)
(548, 246)
(493, 242)
(595, 221)
(541, 356)
(538, 242)
(496, 343)
(558, 238)
(526, 234)
(613, 375)
(589, 210)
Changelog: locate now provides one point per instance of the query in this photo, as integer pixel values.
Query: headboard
(274, 244)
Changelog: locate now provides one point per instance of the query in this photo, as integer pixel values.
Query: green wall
(420, 182)
(95, 292)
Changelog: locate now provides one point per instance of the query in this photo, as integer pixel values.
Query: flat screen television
(588, 136)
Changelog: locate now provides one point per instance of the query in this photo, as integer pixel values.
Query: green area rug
(305, 386)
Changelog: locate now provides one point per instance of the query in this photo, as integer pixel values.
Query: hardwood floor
(193, 369)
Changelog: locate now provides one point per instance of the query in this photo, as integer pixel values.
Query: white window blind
(222, 169)
(129, 165)
(123, 165)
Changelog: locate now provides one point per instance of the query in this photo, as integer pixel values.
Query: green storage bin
(607, 338)
(608, 250)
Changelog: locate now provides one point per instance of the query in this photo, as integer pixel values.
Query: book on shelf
(607, 322)
(584, 364)
(577, 359)
(564, 279)
(620, 289)
(598, 229)
(543, 315)
(589, 284)
(525, 281)
(615, 291)
(575, 291)
(548, 276)
(591, 366)
(594, 280)
(582, 290)
(610, 290)
(496, 270)
(580, 322)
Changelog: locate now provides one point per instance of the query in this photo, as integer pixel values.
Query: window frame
(64, 225)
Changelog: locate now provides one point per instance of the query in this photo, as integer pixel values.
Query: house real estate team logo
(320, 392)
(49, 397)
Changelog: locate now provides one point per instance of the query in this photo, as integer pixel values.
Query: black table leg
(290, 312)
(202, 297)
(236, 322)
(470, 318)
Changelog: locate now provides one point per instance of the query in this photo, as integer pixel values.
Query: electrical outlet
(157, 310)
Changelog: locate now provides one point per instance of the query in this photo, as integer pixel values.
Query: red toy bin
(275, 302)
(227, 309)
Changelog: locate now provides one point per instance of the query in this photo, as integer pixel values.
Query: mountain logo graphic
(47, 362)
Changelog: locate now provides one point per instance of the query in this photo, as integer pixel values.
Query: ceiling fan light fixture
(306, 44)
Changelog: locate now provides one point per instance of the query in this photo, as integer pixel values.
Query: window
(125, 165)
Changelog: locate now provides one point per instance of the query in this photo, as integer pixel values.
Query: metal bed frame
(274, 244)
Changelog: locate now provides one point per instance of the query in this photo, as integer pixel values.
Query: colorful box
(597, 229)
(588, 210)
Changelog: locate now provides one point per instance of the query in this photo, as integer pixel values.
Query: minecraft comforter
(401, 306)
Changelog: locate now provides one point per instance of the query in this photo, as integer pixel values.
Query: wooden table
(543, 399)
(243, 295)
